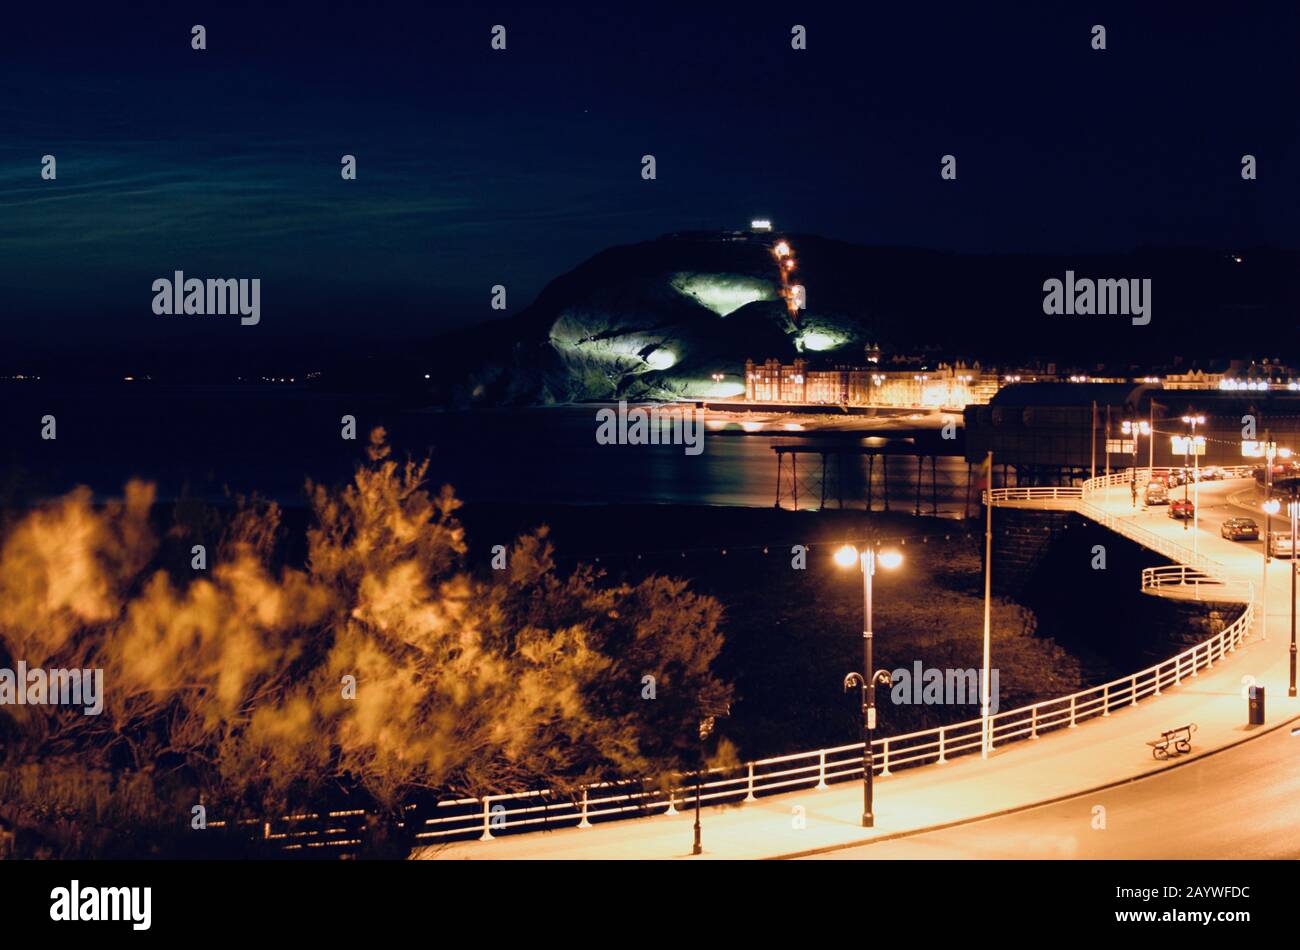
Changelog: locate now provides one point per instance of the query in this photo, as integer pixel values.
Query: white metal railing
(1145, 474)
(497, 814)
(1181, 579)
(1155, 542)
(530, 810)
(1118, 523)
(522, 811)
(1034, 493)
(517, 812)
(1121, 477)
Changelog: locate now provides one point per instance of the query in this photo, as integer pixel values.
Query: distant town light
(760, 224)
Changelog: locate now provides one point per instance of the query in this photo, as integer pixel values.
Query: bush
(378, 670)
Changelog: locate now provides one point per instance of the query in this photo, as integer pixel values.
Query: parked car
(1240, 529)
(1157, 494)
(1181, 509)
(1279, 472)
(1279, 544)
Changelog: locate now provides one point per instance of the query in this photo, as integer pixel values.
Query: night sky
(479, 167)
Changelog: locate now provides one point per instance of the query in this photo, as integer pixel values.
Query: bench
(1180, 739)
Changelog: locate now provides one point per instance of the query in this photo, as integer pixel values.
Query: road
(1243, 802)
(1219, 501)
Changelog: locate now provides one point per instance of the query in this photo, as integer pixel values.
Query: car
(1279, 544)
(1261, 474)
(1157, 494)
(1181, 509)
(1240, 529)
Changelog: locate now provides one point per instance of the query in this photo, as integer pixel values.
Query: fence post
(942, 758)
(1158, 668)
(584, 823)
(885, 771)
(1134, 682)
(672, 802)
(821, 771)
(1195, 661)
(1105, 701)
(1073, 724)
(1033, 721)
(487, 820)
(749, 794)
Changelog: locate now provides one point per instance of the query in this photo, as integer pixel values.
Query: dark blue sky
(479, 167)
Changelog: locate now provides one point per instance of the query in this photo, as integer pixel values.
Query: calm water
(271, 440)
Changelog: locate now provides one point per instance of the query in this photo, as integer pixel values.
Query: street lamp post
(1270, 508)
(867, 680)
(1193, 447)
(1135, 427)
(706, 729)
(1293, 509)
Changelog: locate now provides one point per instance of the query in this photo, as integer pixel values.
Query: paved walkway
(1058, 764)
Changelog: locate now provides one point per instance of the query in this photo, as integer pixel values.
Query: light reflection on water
(271, 441)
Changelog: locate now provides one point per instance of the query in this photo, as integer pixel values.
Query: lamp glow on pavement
(889, 559)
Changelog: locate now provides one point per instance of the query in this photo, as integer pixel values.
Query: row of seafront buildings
(910, 382)
(945, 386)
